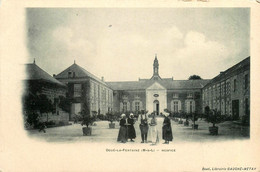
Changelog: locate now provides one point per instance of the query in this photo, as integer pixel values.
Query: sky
(120, 43)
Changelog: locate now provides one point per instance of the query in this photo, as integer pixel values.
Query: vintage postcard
(148, 86)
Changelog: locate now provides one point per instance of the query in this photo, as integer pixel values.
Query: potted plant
(181, 115)
(194, 117)
(214, 117)
(176, 116)
(111, 118)
(186, 117)
(87, 120)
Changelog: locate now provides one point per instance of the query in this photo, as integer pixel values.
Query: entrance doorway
(156, 107)
(235, 109)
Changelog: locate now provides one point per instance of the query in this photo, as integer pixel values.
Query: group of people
(147, 125)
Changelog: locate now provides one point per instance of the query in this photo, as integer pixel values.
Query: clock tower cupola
(156, 69)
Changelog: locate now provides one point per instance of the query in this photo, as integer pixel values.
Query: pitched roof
(168, 84)
(34, 72)
(229, 71)
(79, 73)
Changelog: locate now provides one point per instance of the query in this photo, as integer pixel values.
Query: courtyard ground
(102, 134)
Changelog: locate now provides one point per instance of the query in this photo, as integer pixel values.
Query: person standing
(167, 129)
(122, 134)
(131, 128)
(143, 121)
(153, 130)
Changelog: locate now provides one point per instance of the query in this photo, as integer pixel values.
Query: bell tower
(156, 69)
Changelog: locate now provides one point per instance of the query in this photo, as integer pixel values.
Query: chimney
(102, 78)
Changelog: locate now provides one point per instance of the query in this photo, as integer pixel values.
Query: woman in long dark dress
(131, 128)
(122, 135)
(167, 129)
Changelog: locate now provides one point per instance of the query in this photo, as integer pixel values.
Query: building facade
(40, 83)
(157, 94)
(229, 92)
(85, 88)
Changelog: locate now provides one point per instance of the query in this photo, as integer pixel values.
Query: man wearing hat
(143, 121)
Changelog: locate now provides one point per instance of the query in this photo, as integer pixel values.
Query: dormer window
(69, 74)
(175, 95)
(137, 97)
(190, 95)
(125, 97)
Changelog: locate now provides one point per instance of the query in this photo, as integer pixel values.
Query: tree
(215, 117)
(33, 105)
(87, 118)
(194, 77)
(44, 105)
(64, 104)
(31, 117)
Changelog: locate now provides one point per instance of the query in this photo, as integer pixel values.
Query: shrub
(50, 123)
(61, 123)
(194, 117)
(111, 117)
(215, 117)
(101, 117)
(87, 119)
(64, 104)
(32, 119)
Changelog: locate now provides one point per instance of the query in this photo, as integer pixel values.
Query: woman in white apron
(153, 130)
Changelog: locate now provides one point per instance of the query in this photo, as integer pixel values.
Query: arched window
(137, 105)
(190, 106)
(124, 106)
(175, 105)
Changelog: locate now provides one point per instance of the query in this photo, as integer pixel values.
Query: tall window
(246, 81)
(235, 85)
(77, 90)
(137, 106)
(124, 106)
(219, 87)
(216, 91)
(222, 107)
(228, 88)
(191, 106)
(222, 89)
(175, 106)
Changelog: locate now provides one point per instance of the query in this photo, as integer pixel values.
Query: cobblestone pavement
(102, 134)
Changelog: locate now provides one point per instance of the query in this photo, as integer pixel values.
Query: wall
(156, 88)
(129, 96)
(59, 116)
(183, 98)
(220, 92)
